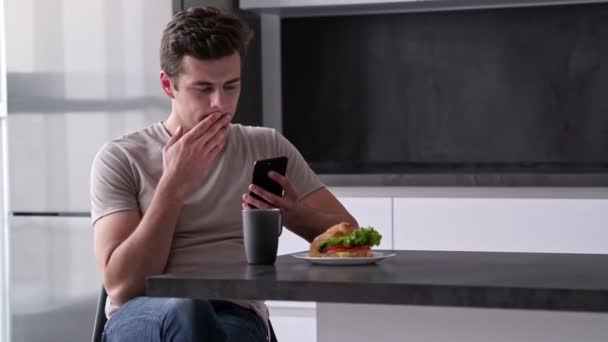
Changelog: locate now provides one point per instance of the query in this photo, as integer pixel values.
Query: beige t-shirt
(126, 171)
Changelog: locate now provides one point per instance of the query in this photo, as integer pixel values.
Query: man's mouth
(202, 117)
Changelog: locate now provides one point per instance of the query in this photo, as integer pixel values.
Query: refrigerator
(78, 74)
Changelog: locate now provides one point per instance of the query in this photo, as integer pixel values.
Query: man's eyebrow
(207, 83)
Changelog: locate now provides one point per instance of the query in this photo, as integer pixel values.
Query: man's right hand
(187, 156)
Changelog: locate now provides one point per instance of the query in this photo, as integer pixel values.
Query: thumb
(175, 137)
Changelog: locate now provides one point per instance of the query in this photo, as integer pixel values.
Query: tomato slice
(342, 248)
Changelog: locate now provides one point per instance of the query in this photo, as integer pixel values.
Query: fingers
(175, 137)
(208, 136)
(213, 150)
(286, 201)
(217, 142)
(287, 186)
(203, 126)
(252, 201)
(205, 130)
(273, 199)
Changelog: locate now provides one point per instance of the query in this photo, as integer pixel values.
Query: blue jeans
(152, 319)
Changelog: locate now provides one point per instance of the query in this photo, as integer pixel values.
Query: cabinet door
(54, 279)
(371, 323)
(375, 212)
(293, 321)
(556, 225)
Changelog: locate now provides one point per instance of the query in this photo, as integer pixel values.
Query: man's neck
(171, 124)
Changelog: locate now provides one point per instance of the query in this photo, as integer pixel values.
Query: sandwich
(343, 241)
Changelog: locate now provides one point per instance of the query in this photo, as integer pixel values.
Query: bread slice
(348, 254)
(340, 229)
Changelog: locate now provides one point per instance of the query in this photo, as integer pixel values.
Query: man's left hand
(289, 201)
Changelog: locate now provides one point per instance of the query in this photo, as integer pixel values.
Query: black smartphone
(261, 179)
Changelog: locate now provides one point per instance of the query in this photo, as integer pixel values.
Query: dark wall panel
(508, 88)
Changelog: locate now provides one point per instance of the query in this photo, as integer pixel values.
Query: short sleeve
(304, 179)
(113, 186)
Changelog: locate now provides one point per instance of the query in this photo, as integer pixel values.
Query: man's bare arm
(318, 211)
(129, 248)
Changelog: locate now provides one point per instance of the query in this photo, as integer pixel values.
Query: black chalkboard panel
(513, 89)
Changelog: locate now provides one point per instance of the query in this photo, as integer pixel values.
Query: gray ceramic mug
(261, 230)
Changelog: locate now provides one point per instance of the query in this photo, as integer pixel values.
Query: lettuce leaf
(361, 236)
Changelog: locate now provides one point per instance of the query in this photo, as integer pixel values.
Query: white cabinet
(561, 225)
(54, 279)
(293, 321)
(371, 323)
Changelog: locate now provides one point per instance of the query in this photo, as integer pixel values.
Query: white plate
(376, 257)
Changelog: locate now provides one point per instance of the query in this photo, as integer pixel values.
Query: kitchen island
(572, 283)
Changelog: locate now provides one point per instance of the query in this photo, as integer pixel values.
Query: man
(167, 199)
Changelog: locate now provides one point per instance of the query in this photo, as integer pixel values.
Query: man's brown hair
(203, 33)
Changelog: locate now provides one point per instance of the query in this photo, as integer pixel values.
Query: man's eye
(205, 90)
(230, 87)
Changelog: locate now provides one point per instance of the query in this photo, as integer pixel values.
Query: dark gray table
(570, 282)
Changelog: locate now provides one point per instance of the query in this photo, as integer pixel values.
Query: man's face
(205, 87)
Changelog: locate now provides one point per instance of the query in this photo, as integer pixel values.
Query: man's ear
(167, 84)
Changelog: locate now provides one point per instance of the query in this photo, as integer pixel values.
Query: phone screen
(261, 179)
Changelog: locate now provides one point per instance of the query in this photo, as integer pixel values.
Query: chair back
(100, 315)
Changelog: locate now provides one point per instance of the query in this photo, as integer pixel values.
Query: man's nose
(218, 99)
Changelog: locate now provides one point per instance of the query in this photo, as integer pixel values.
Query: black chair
(273, 337)
(100, 318)
(100, 315)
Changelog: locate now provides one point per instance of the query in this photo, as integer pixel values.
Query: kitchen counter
(539, 281)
